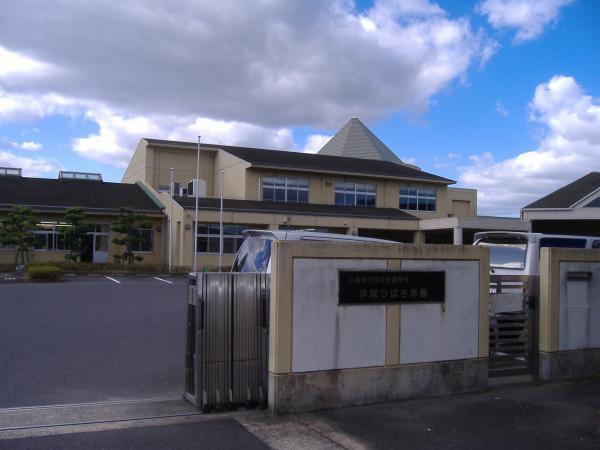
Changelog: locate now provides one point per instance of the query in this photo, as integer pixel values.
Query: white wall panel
(327, 336)
(441, 332)
(579, 322)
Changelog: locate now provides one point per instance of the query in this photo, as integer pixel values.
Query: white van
(516, 253)
(254, 254)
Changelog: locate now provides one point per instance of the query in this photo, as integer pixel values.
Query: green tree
(76, 234)
(17, 231)
(127, 225)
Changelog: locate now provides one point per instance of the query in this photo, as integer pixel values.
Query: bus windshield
(506, 252)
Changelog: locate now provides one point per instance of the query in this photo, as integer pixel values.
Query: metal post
(171, 221)
(221, 227)
(197, 183)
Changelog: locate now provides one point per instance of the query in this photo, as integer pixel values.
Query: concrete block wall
(569, 341)
(325, 355)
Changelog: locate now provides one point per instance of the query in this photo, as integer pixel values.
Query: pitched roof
(570, 194)
(355, 140)
(293, 208)
(53, 194)
(288, 160)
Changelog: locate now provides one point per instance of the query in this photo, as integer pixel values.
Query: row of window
(49, 237)
(295, 190)
(209, 238)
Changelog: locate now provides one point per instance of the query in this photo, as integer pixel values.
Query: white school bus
(516, 253)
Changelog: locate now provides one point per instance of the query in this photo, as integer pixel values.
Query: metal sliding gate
(227, 340)
(513, 325)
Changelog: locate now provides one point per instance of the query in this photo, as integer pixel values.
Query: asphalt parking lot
(92, 339)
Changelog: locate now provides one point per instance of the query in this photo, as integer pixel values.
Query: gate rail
(513, 325)
(227, 340)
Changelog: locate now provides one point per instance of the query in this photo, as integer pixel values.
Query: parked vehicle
(517, 253)
(254, 254)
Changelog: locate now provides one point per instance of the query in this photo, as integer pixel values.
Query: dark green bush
(44, 273)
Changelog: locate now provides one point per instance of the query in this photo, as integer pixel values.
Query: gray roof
(57, 195)
(293, 208)
(288, 160)
(570, 194)
(355, 140)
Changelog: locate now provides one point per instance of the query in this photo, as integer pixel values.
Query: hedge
(44, 273)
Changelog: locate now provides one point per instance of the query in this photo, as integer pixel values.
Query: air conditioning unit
(196, 188)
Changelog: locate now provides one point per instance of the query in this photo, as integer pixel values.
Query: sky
(500, 95)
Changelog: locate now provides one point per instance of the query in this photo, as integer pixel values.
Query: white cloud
(528, 17)
(32, 167)
(30, 145)
(118, 135)
(14, 67)
(315, 142)
(569, 149)
(293, 63)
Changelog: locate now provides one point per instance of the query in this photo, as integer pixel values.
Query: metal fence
(513, 325)
(227, 340)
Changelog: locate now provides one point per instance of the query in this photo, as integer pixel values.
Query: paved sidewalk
(550, 416)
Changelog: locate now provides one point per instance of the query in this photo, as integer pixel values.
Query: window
(596, 244)
(49, 237)
(506, 252)
(355, 194)
(145, 244)
(417, 199)
(284, 189)
(208, 238)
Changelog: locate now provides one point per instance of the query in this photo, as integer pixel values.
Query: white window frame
(54, 232)
(352, 188)
(209, 236)
(285, 188)
(420, 194)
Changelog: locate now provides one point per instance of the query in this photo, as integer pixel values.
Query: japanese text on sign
(391, 287)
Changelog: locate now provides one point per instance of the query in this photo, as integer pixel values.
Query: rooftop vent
(10, 172)
(82, 176)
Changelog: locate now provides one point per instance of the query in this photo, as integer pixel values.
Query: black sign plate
(360, 287)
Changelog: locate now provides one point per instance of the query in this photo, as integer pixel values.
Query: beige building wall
(462, 202)
(154, 257)
(136, 170)
(152, 163)
(183, 161)
(235, 171)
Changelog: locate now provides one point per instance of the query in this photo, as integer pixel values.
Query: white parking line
(112, 279)
(160, 279)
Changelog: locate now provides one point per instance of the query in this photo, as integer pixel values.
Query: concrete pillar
(419, 237)
(273, 227)
(352, 230)
(457, 235)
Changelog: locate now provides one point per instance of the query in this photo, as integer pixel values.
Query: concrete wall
(569, 314)
(325, 355)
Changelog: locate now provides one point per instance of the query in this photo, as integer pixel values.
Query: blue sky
(500, 95)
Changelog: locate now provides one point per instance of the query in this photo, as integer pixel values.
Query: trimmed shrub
(44, 273)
